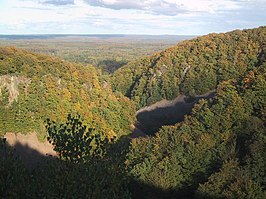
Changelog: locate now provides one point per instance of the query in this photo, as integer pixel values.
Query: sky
(152, 17)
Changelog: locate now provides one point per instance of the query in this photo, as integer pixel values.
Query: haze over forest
(153, 99)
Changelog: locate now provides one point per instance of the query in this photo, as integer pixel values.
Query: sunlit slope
(36, 87)
(192, 67)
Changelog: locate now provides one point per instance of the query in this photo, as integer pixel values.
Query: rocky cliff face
(11, 84)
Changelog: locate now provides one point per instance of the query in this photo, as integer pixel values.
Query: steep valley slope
(192, 67)
(203, 101)
(36, 87)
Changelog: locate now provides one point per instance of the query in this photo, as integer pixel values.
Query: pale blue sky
(181, 17)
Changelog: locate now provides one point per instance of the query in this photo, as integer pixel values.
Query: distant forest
(107, 52)
(216, 151)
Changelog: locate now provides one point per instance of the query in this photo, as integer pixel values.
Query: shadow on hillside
(30, 157)
(20, 164)
(150, 119)
(111, 65)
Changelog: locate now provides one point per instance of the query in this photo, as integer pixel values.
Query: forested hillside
(36, 87)
(192, 67)
(216, 152)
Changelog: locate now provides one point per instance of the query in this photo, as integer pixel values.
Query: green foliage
(82, 171)
(192, 67)
(107, 53)
(200, 149)
(13, 183)
(111, 65)
(218, 151)
(44, 87)
(230, 182)
(75, 142)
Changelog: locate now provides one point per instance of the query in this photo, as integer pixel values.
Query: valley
(177, 119)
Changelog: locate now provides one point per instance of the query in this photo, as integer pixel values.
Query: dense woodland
(218, 151)
(192, 67)
(37, 87)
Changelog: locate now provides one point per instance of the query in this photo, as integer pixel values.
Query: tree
(75, 142)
